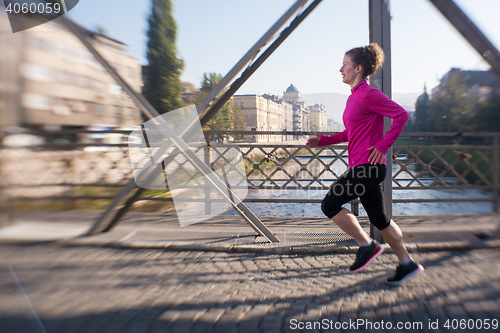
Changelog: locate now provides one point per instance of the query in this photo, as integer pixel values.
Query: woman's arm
(326, 140)
(383, 105)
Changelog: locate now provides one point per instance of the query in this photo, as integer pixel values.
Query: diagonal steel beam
(151, 113)
(483, 46)
(212, 179)
(205, 117)
(470, 32)
(249, 56)
(255, 65)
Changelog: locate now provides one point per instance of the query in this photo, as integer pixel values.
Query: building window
(36, 101)
(38, 72)
(115, 89)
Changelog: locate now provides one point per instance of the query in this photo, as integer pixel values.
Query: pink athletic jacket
(364, 122)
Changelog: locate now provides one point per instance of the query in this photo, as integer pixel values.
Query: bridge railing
(70, 166)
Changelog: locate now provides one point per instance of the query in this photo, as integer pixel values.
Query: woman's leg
(346, 221)
(339, 194)
(346, 189)
(394, 238)
(373, 202)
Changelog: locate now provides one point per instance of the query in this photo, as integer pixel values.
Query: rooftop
(292, 89)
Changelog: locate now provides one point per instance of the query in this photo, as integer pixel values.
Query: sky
(213, 35)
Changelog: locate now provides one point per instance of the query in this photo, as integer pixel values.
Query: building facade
(290, 113)
(292, 95)
(287, 118)
(303, 113)
(52, 82)
(300, 109)
(318, 111)
(262, 113)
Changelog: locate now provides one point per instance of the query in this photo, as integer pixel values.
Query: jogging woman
(364, 122)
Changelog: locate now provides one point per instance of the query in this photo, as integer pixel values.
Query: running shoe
(365, 255)
(405, 272)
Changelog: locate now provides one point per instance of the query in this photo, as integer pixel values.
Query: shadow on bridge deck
(232, 234)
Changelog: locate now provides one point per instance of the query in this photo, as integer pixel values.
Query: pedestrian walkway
(146, 276)
(93, 289)
(233, 234)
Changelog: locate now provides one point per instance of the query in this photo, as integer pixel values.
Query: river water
(314, 210)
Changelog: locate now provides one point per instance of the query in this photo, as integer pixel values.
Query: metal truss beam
(470, 32)
(128, 194)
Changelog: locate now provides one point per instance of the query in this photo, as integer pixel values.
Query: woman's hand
(376, 156)
(313, 142)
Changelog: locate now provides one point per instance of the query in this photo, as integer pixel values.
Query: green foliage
(421, 112)
(239, 120)
(487, 117)
(209, 82)
(452, 110)
(459, 166)
(409, 127)
(163, 88)
(92, 204)
(223, 120)
(457, 109)
(260, 159)
(239, 123)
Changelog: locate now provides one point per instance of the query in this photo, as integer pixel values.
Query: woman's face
(348, 70)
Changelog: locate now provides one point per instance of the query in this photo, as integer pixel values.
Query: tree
(421, 112)
(222, 121)
(453, 110)
(239, 123)
(163, 88)
(487, 117)
(409, 126)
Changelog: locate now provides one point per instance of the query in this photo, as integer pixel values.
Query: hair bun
(370, 57)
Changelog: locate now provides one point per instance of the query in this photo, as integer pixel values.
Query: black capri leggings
(363, 181)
